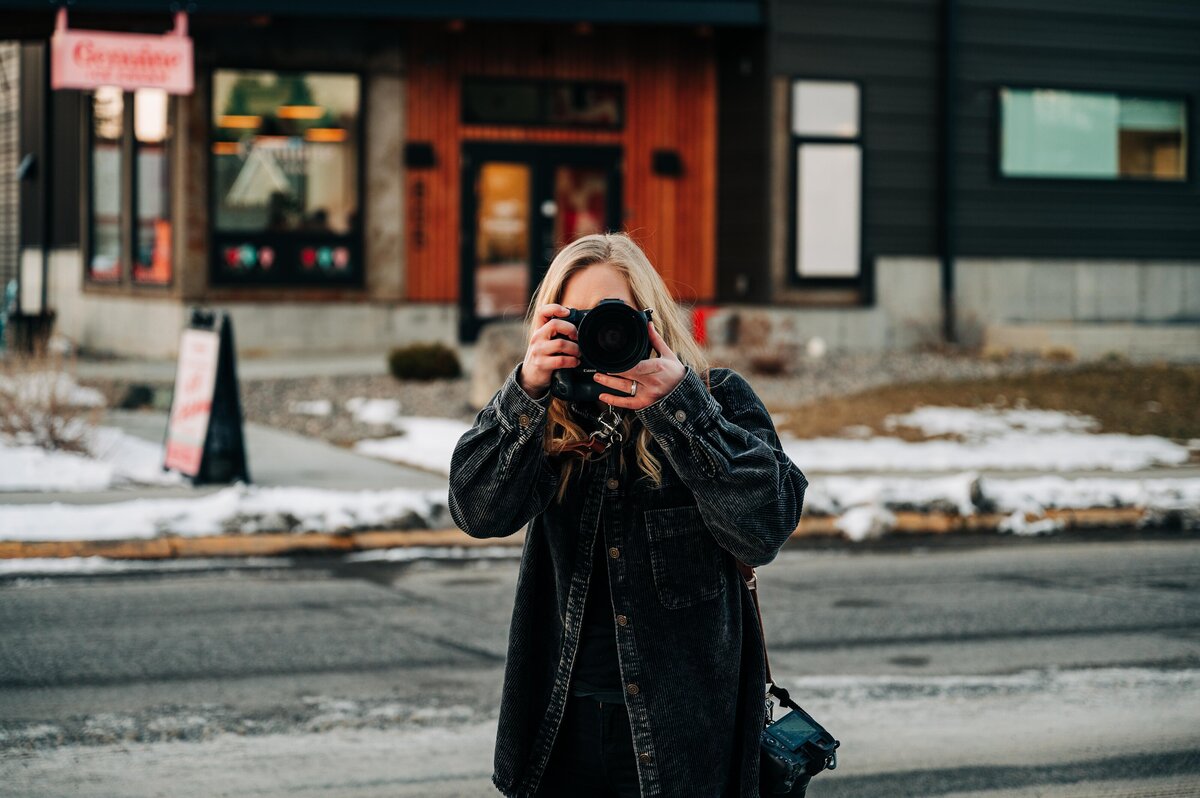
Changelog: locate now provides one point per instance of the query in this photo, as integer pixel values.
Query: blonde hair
(648, 290)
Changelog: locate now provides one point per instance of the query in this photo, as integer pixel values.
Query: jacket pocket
(688, 565)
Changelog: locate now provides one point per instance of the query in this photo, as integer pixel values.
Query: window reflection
(508, 101)
(1072, 134)
(580, 198)
(108, 127)
(152, 132)
(285, 151)
(502, 240)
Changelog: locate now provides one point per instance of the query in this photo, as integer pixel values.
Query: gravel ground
(846, 374)
(271, 402)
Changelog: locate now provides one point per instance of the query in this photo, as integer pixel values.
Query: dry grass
(1140, 400)
(36, 407)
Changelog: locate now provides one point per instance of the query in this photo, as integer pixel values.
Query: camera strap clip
(609, 421)
(600, 440)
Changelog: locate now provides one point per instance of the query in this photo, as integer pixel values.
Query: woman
(635, 663)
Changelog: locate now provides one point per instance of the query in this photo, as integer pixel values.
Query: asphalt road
(1034, 668)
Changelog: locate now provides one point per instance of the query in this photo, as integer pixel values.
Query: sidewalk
(274, 458)
(256, 368)
(291, 476)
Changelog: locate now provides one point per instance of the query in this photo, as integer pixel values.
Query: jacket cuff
(517, 410)
(687, 408)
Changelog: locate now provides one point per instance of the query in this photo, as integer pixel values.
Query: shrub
(42, 405)
(768, 363)
(424, 361)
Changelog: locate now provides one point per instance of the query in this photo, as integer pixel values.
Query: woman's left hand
(655, 376)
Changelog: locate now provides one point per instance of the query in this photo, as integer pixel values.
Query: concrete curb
(282, 543)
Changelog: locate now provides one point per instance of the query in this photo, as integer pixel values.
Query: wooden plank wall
(670, 94)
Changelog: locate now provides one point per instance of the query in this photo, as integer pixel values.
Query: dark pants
(593, 755)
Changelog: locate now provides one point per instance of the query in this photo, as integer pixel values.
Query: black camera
(613, 337)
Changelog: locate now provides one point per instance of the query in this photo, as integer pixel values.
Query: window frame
(1117, 183)
(127, 212)
(357, 236)
(863, 281)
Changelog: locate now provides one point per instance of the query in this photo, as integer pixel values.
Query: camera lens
(613, 336)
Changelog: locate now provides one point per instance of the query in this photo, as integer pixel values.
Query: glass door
(502, 238)
(521, 203)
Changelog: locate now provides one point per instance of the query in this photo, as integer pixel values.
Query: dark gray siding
(1107, 45)
(31, 140)
(49, 118)
(743, 159)
(891, 47)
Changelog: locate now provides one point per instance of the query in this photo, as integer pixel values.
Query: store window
(129, 186)
(1053, 133)
(551, 103)
(108, 122)
(285, 178)
(826, 191)
(152, 191)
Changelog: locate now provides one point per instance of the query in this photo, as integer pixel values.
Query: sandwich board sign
(204, 439)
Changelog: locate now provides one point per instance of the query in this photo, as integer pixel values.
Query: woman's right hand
(546, 354)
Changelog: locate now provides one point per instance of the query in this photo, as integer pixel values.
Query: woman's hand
(545, 355)
(655, 377)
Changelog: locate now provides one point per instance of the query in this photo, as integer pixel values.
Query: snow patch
(379, 412)
(835, 495)
(991, 438)
(405, 553)
(425, 442)
(51, 566)
(866, 522)
(1046, 451)
(863, 505)
(113, 459)
(1019, 524)
(987, 421)
(241, 508)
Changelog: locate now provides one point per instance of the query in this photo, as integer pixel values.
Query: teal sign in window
(1053, 133)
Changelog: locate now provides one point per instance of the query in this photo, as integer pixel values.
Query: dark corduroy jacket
(688, 642)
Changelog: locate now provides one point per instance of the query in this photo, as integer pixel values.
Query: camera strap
(598, 440)
(751, 578)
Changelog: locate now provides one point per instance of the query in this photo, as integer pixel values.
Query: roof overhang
(681, 12)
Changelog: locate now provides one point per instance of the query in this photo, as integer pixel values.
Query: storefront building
(999, 173)
(350, 182)
(878, 175)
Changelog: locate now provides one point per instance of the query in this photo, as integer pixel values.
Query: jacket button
(680, 415)
(622, 620)
(524, 420)
(644, 757)
(613, 483)
(614, 552)
(631, 688)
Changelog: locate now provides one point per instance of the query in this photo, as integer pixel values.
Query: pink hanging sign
(87, 59)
